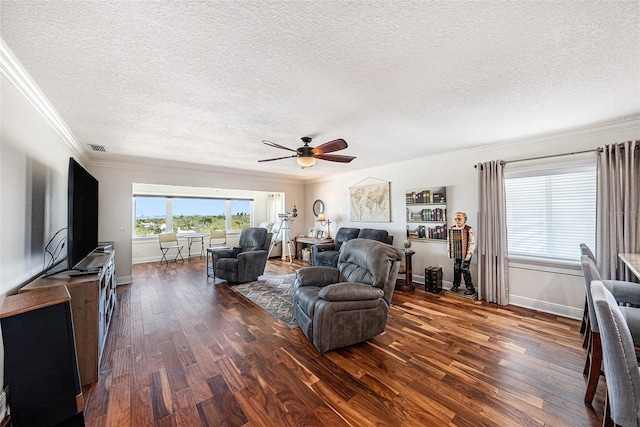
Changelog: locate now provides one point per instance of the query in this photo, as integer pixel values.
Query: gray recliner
(338, 307)
(326, 254)
(622, 404)
(244, 262)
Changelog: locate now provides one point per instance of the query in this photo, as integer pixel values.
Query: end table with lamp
(324, 221)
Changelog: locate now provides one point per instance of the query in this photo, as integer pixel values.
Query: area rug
(273, 294)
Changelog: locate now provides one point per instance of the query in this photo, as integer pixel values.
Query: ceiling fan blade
(334, 158)
(331, 146)
(277, 158)
(273, 144)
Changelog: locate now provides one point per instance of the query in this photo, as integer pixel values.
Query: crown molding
(14, 73)
(630, 122)
(157, 165)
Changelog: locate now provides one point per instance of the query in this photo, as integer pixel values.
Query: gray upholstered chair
(585, 250)
(244, 262)
(623, 292)
(375, 234)
(620, 363)
(338, 307)
(326, 254)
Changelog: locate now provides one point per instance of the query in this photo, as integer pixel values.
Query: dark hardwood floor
(185, 351)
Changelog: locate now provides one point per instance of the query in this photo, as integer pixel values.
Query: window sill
(572, 268)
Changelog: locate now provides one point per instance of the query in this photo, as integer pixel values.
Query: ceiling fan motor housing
(305, 151)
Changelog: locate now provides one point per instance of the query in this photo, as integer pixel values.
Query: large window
(154, 215)
(150, 214)
(550, 212)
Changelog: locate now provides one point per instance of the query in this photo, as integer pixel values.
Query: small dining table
(632, 261)
(194, 236)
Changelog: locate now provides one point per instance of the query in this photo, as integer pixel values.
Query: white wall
(116, 208)
(34, 162)
(559, 291)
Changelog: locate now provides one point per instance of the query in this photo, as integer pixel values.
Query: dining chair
(622, 402)
(218, 238)
(169, 242)
(624, 293)
(585, 250)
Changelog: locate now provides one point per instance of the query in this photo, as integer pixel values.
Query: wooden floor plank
(184, 349)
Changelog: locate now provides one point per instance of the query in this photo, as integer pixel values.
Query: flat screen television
(82, 218)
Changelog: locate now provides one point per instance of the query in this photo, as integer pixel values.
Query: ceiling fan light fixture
(306, 162)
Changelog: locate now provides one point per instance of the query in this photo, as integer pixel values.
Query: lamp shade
(321, 217)
(306, 161)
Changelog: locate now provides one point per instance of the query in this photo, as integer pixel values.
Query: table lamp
(325, 221)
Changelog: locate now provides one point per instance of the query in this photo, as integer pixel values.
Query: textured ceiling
(205, 82)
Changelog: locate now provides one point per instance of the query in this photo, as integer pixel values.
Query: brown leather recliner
(338, 307)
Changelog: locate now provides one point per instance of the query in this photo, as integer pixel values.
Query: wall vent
(95, 147)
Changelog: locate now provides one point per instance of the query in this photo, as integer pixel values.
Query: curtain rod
(504, 162)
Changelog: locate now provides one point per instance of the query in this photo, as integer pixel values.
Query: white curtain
(275, 206)
(491, 234)
(618, 207)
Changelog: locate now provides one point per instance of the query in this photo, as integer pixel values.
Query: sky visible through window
(188, 207)
(156, 207)
(151, 207)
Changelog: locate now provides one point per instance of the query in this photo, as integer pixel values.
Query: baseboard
(533, 304)
(126, 280)
(546, 307)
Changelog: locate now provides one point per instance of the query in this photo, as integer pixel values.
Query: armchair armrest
(321, 247)
(350, 291)
(218, 253)
(222, 252)
(316, 276)
(250, 257)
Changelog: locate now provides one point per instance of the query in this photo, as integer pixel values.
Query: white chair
(168, 242)
(218, 238)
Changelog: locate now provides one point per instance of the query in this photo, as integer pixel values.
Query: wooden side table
(301, 242)
(407, 283)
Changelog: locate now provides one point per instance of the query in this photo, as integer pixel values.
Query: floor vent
(97, 147)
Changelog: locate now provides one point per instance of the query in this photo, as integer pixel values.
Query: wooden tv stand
(93, 298)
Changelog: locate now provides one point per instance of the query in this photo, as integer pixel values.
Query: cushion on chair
(344, 234)
(373, 234)
(346, 291)
(252, 238)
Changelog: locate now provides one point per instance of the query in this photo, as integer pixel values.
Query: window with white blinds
(550, 212)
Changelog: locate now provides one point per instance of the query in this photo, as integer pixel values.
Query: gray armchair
(338, 307)
(622, 404)
(326, 254)
(244, 262)
(623, 292)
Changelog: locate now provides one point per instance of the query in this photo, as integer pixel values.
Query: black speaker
(41, 369)
(433, 279)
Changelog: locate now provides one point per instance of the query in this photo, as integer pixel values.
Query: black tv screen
(82, 214)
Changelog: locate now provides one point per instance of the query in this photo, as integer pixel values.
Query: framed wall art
(370, 202)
